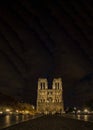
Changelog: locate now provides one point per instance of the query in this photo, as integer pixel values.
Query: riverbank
(52, 123)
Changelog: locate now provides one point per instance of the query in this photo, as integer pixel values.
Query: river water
(9, 120)
(81, 117)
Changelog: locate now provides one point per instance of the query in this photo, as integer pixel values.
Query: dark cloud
(52, 39)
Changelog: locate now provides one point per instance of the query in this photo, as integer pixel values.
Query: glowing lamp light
(26, 112)
(33, 107)
(73, 111)
(86, 110)
(1, 112)
(7, 110)
(75, 108)
(78, 111)
(17, 111)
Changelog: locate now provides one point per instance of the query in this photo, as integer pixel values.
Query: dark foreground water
(9, 120)
(53, 122)
(81, 117)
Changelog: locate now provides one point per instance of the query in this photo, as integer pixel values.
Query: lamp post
(75, 109)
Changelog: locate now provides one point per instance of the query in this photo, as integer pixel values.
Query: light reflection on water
(7, 120)
(12, 119)
(85, 117)
(78, 116)
(17, 118)
(82, 117)
(23, 118)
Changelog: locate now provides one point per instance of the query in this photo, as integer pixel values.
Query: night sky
(48, 40)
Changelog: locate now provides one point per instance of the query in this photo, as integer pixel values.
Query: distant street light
(78, 111)
(17, 111)
(1, 112)
(7, 110)
(75, 108)
(86, 110)
(33, 107)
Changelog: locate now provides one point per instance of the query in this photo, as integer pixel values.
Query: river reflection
(78, 117)
(17, 118)
(8, 120)
(85, 117)
(82, 117)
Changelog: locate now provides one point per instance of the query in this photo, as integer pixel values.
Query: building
(50, 100)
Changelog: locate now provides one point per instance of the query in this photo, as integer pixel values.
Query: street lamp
(86, 110)
(75, 109)
(78, 111)
(7, 110)
(1, 112)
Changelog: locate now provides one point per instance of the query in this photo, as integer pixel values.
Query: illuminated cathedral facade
(50, 100)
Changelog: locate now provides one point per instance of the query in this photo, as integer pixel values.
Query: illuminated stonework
(50, 100)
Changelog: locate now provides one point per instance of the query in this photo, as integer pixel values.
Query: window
(58, 85)
(57, 100)
(43, 85)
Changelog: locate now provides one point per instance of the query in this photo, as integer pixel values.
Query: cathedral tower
(58, 90)
(50, 100)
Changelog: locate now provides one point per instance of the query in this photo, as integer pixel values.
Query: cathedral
(50, 100)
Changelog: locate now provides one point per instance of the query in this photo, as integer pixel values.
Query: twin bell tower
(50, 100)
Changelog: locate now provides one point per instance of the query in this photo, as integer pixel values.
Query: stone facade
(50, 100)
